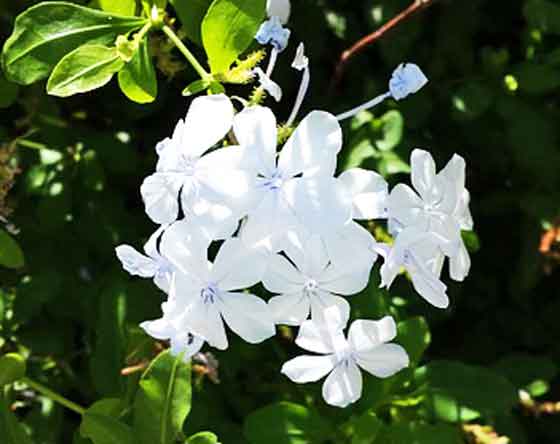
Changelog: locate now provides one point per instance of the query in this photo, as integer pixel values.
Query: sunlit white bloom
(296, 187)
(301, 63)
(272, 32)
(170, 328)
(309, 282)
(207, 295)
(367, 347)
(439, 205)
(280, 9)
(269, 85)
(369, 192)
(183, 169)
(415, 251)
(151, 265)
(407, 79)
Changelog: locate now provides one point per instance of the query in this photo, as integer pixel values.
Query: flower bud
(407, 79)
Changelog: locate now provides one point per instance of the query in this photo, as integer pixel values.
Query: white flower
(298, 187)
(369, 193)
(418, 252)
(272, 32)
(280, 9)
(407, 79)
(440, 207)
(367, 347)
(269, 85)
(169, 328)
(205, 293)
(182, 168)
(308, 281)
(151, 265)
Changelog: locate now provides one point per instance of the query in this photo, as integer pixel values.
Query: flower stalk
(56, 397)
(204, 75)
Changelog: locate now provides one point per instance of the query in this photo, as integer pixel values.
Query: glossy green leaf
(414, 336)
(366, 428)
(108, 356)
(202, 438)
(191, 13)
(122, 7)
(8, 92)
(390, 130)
(163, 401)
(418, 433)
(46, 32)
(531, 373)
(286, 423)
(138, 80)
(12, 368)
(459, 392)
(196, 87)
(105, 429)
(228, 29)
(87, 68)
(11, 431)
(11, 255)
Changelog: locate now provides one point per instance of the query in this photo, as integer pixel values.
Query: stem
(185, 51)
(374, 102)
(145, 29)
(54, 396)
(32, 145)
(272, 62)
(360, 45)
(301, 95)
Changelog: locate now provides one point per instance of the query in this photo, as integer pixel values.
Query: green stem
(54, 396)
(145, 29)
(30, 144)
(188, 55)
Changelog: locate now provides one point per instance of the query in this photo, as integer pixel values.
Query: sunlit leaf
(138, 80)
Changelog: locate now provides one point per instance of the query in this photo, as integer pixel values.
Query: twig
(363, 43)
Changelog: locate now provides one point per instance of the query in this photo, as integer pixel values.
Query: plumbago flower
(308, 281)
(202, 181)
(284, 219)
(367, 347)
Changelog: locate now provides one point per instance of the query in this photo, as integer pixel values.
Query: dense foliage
(485, 370)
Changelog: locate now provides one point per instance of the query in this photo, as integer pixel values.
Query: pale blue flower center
(210, 293)
(187, 165)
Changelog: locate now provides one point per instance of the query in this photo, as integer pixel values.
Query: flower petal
(365, 334)
(237, 266)
(160, 193)
(369, 193)
(282, 277)
(322, 337)
(136, 263)
(319, 202)
(313, 147)
(323, 300)
(208, 121)
(289, 309)
(344, 385)
(406, 207)
(307, 368)
(248, 316)
(204, 320)
(384, 360)
(351, 248)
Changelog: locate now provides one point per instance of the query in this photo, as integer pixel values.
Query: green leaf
(122, 7)
(196, 87)
(11, 430)
(11, 255)
(286, 423)
(163, 401)
(12, 368)
(87, 68)
(228, 29)
(414, 336)
(391, 126)
(459, 392)
(537, 79)
(108, 356)
(46, 32)
(417, 433)
(105, 429)
(203, 438)
(8, 92)
(138, 80)
(531, 373)
(191, 13)
(543, 15)
(366, 428)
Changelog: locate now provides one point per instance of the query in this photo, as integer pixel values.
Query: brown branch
(360, 45)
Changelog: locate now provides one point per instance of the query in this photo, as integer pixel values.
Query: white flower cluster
(284, 219)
